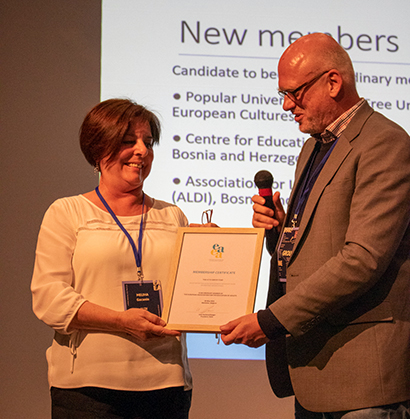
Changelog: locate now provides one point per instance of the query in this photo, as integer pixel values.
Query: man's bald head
(315, 53)
(317, 78)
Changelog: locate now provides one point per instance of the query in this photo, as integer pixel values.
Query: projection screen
(209, 71)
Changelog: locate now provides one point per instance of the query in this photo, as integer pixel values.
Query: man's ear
(335, 83)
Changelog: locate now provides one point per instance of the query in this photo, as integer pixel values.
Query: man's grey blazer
(347, 302)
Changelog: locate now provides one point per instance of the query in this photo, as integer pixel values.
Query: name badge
(287, 242)
(145, 294)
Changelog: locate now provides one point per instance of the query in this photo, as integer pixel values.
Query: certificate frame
(211, 284)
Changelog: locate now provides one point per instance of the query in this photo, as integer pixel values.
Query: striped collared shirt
(335, 129)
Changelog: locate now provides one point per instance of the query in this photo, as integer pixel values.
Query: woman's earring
(96, 168)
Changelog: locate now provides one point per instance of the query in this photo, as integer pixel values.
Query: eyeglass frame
(208, 215)
(291, 94)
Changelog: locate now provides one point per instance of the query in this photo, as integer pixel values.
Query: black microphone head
(263, 179)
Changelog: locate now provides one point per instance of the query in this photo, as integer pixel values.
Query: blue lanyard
(309, 181)
(137, 252)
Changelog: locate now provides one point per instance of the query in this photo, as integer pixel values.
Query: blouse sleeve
(55, 301)
(181, 219)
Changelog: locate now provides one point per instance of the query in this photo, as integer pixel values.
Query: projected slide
(209, 71)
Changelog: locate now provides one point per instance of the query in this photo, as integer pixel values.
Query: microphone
(264, 181)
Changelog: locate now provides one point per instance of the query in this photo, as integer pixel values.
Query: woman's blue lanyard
(309, 181)
(137, 252)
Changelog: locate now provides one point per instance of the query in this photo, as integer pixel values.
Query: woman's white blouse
(82, 255)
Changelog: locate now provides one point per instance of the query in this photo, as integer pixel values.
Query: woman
(105, 361)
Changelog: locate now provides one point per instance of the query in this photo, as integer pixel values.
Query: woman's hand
(203, 225)
(144, 325)
(136, 322)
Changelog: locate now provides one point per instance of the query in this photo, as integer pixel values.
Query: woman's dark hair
(105, 126)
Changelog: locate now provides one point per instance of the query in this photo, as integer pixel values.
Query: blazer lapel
(339, 153)
(302, 162)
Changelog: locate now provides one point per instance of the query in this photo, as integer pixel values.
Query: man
(337, 325)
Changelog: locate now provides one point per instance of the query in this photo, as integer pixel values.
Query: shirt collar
(335, 129)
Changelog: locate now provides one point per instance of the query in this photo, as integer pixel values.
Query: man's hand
(245, 330)
(264, 217)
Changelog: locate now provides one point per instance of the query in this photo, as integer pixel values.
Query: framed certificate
(213, 278)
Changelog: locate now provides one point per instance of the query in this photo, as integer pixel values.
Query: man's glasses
(293, 94)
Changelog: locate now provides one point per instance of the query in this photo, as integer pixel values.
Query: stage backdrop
(50, 78)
